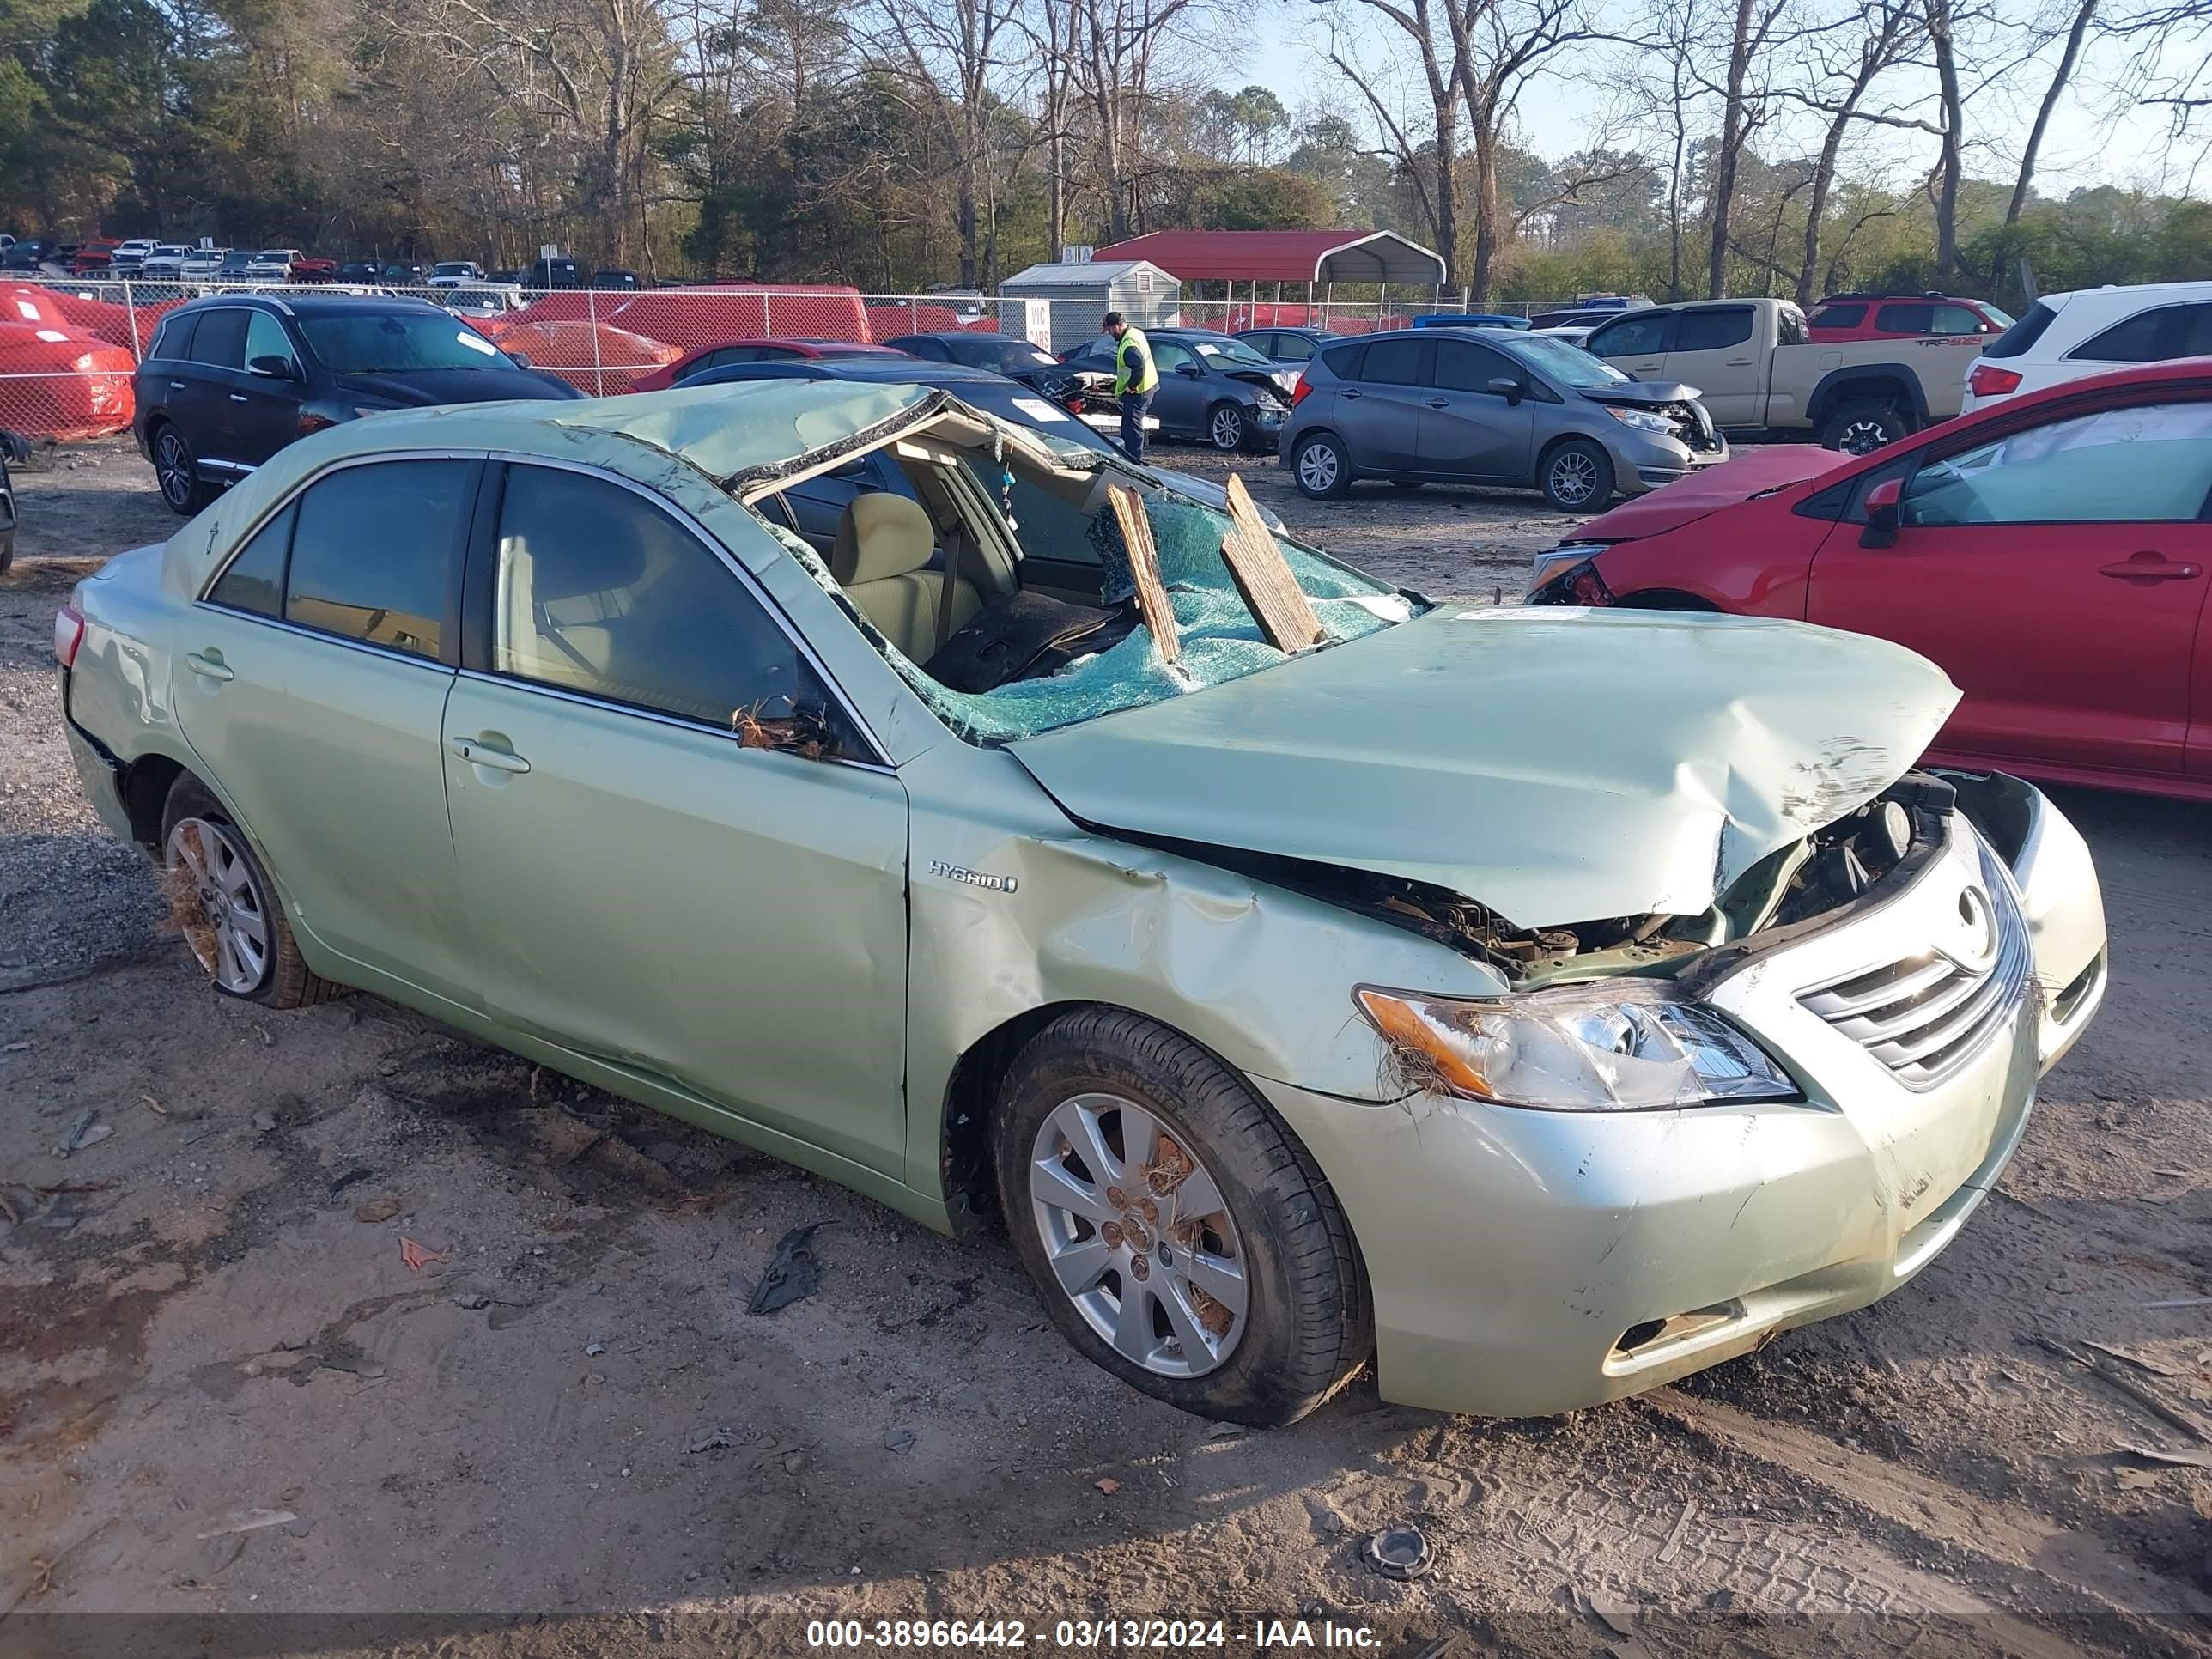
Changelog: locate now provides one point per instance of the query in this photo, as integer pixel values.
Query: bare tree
(1129, 55)
(1950, 167)
(1435, 33)
(1875, 39)
(1742, 111)
(2085, 13)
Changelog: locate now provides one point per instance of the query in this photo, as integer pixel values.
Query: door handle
(1438, 403)
(476, 752)
(1737, 362)
(2151, 567)
(1352, 391)
(176, 385)
(209, 666)
(238, 397)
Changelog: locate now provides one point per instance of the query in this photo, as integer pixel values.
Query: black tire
(7, 552)
(285, 980)
(1306, 1327)
(1227, 428)
(176, 471)
(1578, 477)
(1319, 483)
(1862, 426)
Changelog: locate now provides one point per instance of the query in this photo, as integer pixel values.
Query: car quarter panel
(1015, 908)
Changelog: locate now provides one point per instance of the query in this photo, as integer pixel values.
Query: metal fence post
(131, 309)
(592, 321)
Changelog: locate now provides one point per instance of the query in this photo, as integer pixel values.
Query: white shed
(1083, 291)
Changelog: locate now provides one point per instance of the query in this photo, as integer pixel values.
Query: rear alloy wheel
(1321, 468)
(1225, 429)
(1578, 477)
(1178, 1233)
(177, 473)
(224, 904)
(1862, 427)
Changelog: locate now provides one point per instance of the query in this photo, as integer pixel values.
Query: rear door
(2057, 574)
(1380, 410)
(1715, 350)
(1468, 431)
(317, 666)
(640, 887)
(1636, 343)
(216, 364)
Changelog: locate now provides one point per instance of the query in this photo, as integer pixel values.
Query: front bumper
(1525, 1263)
(1642, 464)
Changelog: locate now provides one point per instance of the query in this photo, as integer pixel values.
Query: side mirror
(1881, 511)
(276, 368)
(520, 360)
(1189, 371)
(1508, 389)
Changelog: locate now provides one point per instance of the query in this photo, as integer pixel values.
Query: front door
(312, 685)
(1380, 407)
(1180, 403)
(2057, 574)
(1468, 431)
(1713, 350)
(641, 887)
(1636, 343)
(265, 405)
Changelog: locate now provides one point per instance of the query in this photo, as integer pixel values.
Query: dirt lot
(209, 1319)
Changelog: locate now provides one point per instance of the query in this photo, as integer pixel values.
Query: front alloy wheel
(1138, 1235)
(1226, 429)
(1573, 479)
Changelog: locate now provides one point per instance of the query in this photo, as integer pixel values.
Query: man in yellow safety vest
(1135, 378)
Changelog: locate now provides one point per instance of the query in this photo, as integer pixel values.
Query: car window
(1631, 336)
(1223, 354)
(175, 339)
(2152, 337)
(1043, 519)
(220, 340)
(1393, 362)
(374, 549)
(601, 592)
(2023, 334)
(1790, 326)
(1169, 356)
(1906, 317)
(1293, 348)
(254, 580)
(1264, 342)
(1463, 366)
(380, 343)
(1953, 319)
(1711, 330)
(265, 338)
(2073, 471)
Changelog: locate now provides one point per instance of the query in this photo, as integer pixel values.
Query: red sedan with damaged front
(2050, 553)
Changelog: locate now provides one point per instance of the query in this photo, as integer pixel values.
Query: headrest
(881, 535)
(593, 556)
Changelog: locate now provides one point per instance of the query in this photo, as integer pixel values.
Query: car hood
(1555, 765)
(1748, 472)
(1642, 394)
(416, 388)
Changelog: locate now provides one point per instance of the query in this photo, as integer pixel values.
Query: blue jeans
(1134, 407)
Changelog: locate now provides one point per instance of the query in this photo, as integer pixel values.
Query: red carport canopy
(1283, 256)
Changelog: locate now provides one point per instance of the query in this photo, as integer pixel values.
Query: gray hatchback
(1443, 406)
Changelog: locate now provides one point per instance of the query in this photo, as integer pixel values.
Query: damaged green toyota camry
(1548, 1005)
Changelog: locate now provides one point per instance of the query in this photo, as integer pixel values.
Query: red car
(2049, 552)
(753, 351)
(1901, 317)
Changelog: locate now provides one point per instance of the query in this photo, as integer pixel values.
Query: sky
(2083, 147)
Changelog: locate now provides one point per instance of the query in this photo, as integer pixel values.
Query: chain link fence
(69, 347)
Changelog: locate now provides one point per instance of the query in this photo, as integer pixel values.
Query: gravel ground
(209, 1318)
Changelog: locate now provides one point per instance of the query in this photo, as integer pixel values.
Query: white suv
(273, 263)
(2064, 337)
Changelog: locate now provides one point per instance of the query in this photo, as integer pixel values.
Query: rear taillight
(69, 635)
(1988, 380)
(311, 421)
(1298, 390)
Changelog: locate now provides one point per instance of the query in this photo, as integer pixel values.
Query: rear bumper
(98, 770)
(1526, 1263)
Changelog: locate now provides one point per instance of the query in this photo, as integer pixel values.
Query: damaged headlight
(1619, 1046)
(1642, 419)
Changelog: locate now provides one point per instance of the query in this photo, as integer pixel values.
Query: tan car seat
(881, 559)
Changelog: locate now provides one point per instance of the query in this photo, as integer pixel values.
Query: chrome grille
(1925, 1016)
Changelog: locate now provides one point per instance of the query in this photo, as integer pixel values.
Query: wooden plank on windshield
(1263, 576)
(1144, 565)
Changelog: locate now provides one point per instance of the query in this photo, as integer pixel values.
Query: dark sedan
(1214, 389)
(226, 382)
(1289, 347)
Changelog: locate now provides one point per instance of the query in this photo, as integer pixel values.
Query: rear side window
(2015, 340)
(1711, 330)
(1393, 362)
(1343, 361)
(254, 582)
(374, 552)
(1906, 317)
(220, 340)
(175, 339)
(1839, 316)
(2152, 337)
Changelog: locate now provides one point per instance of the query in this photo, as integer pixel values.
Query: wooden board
(1263, 576)
(1144, 565)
